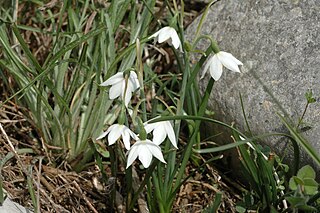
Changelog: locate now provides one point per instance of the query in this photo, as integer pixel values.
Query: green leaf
(292, 184)
(300, 203)
(310, 186)
(240, 209)
(215, 205)
(306, 208)
(273, 210)
(101, 149)
(296, 201)
(306, 172)
(309, 97)
(220, 148)
(298, 180)
(301, 141)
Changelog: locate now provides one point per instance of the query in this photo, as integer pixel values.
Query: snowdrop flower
(215, 63)
(169, 35)
(161, 130)
(144, 149)
(118, 86)
(117, 130)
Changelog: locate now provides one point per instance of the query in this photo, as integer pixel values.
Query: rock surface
(278, 42)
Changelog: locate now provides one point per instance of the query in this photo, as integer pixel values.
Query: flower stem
(188, 150)
(140, 78)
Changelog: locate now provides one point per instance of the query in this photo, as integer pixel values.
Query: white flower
(215, 63)
(118, 86)
(161, 130)
(145, 149)
(169, 35)
(117, 130)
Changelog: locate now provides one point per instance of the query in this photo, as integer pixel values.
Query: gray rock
(9, 206)
(278, 42)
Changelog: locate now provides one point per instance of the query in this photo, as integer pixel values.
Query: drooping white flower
(115, 131)
(169, 35)
(161, 130)
(118, 86)
(144, 149)
(216, 62)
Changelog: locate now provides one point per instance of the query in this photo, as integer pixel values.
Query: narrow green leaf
(56, 57)
(301, 141)
(220, 148)
(33, 61)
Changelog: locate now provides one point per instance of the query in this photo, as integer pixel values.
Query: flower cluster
(124, 84)
(143, 149)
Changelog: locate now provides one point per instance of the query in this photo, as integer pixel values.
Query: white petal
(113, 79)
(133, 84)
(171, 135)
(115, 133)
(102, 135)
(155, 35)
(150, 127)
(115, 91)
(169, 35)
(133, 81)
(215, 68)
(126, 138)
(233, 58)
(127, 97)
(159, 134)
(229, 61)
(133, 154)
(134, 136)
(206, 67)
(106, 132)
(175, 40)
(145, 156)
(156, 151)
(164, 34)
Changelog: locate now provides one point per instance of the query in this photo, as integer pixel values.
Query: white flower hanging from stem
(116, 131)
(122, 85)
(144, 150)
(216, 62)
(160, 131)
(169, 35)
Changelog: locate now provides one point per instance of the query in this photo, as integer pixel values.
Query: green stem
(129, 186)
(188, 150)
(143, 183)
(140, 78)
(113, 162)
(157, 187)
(302, 116)
(203, 17)
(171, 160)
